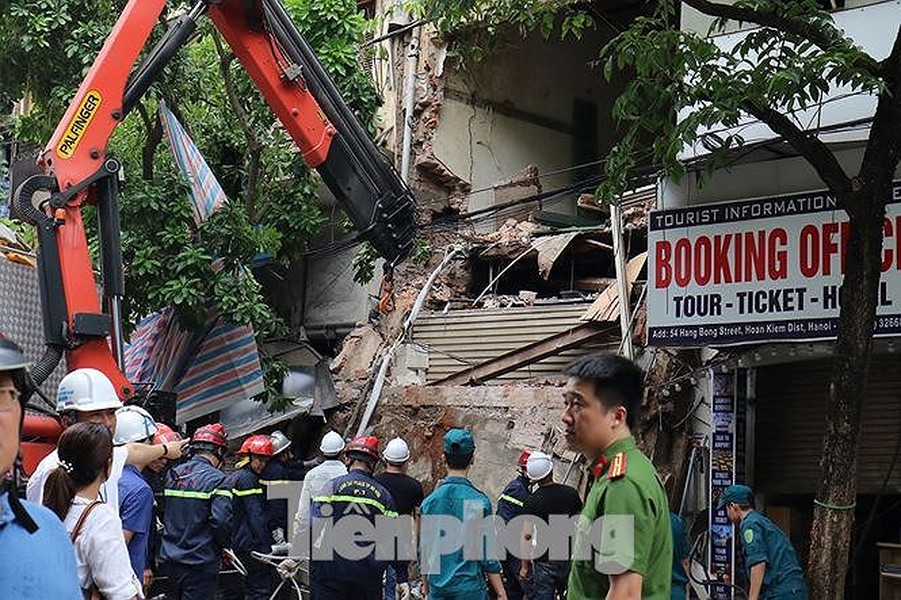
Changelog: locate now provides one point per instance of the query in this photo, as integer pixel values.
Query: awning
(208, 369)
(311, 388)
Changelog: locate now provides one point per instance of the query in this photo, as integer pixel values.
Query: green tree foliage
(46, 49)
(475, 28)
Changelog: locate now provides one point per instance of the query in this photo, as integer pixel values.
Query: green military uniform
(763, 541)
(626, 484)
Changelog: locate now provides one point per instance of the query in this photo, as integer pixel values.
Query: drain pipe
(379, 384)
(409, 99)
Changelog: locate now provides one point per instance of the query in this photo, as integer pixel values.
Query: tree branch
(884, 145)
(154, 131)
(825, 38)
(254, 146)
(808, 145)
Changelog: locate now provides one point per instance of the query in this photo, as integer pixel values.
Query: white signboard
(759, 270)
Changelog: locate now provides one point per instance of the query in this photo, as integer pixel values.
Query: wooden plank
(606, 306)
(526, 355)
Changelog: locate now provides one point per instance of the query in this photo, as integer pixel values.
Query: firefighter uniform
(197, 526)
(509, 506)
(279, 473)
(250, 532)
(626, 485)
(334, 577)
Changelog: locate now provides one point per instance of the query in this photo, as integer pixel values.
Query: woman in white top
(72, 489)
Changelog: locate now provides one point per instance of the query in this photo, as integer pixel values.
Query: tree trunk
(833, 507)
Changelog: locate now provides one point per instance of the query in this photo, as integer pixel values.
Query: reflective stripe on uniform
(195, 495)
(356, 500)
(511, 500)
(249, 492)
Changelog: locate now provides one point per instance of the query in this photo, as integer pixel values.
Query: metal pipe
(379, 383)
(409, 100)
(115, 308)
(619, 258)
(171, 42)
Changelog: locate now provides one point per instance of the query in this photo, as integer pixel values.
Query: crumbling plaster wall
(504, 420)
(516, 108)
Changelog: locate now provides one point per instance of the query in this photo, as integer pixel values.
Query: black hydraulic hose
(47, 363)
(23, 196)
(54, 311)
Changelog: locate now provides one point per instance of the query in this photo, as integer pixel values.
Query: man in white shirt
(87, 395)
(314, 483)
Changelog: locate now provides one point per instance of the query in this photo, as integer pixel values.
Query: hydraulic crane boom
(78, 171)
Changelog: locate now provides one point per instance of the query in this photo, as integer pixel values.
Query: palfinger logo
(74, 133)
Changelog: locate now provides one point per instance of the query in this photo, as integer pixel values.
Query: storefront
(788, 424)
(756, 281)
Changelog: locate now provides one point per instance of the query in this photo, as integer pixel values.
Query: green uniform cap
(738, 494)
(459, 442)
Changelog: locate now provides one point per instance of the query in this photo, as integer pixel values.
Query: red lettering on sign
(778, 262)
(755, 256)
(702, 262)
(810, 254)
(888, 255)
(830, 247)
(722, 273)
(663, 271)
(682, 260)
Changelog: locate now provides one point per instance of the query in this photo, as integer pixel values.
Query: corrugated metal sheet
(791, 418)
(464, 338)
(20, 316)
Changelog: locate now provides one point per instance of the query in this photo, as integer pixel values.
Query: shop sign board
(767, 269)
(721, 561)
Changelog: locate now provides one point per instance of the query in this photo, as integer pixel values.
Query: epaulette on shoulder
(617, 466)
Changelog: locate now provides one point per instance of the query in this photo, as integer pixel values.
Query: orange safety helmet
(524, 459)
(367, 445)
(211, 434)
(165, 435)
(257, 444)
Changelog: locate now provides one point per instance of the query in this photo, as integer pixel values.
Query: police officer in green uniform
(772, 564)
(629, 553)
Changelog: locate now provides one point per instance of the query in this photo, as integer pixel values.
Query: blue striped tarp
(208, 370)
(206, 193)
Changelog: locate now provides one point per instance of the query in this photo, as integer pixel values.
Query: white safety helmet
(396, 451)
(332, 444)
(539, 466)
(86, 390)
(133, 424)
(280, 442)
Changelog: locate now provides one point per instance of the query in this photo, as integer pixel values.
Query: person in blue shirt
(31, 537)
(773, 568)
(281, 471)
(681, 551)
(135, 425)
(452, 575)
